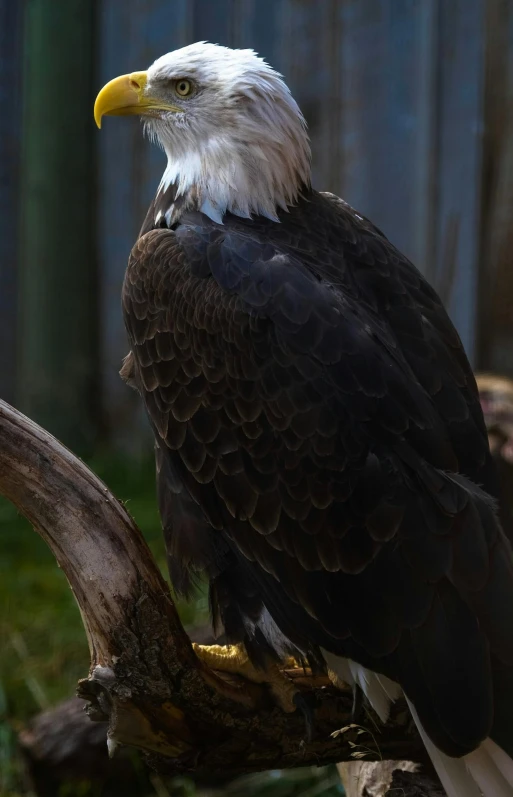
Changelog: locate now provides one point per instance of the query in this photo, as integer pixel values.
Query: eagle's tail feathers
(492, 769)
(379, 690)
(486, 772)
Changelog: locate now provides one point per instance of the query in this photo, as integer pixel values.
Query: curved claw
(235, 660)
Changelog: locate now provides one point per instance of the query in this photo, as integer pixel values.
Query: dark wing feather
(314, 401)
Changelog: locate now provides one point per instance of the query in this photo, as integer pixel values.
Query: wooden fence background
(409, 108)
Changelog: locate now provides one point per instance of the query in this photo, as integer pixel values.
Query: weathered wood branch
(388, 779)
(145, 679)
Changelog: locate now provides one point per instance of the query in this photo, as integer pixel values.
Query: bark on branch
(145, 679)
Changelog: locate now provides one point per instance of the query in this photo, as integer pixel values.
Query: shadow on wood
(145, 680)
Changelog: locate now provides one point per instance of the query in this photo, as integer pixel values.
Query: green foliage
(307, 782)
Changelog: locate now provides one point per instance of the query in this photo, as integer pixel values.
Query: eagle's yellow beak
(125, 96)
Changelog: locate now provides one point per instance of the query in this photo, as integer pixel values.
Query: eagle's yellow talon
(235, 660)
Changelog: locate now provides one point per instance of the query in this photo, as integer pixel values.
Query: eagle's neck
(244, 178)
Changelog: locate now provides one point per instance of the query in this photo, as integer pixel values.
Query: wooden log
(388, 779)
(145, 680)
(61, 747)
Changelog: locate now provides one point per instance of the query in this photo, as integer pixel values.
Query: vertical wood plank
(461, 108)
(426, 150)
(213, 22)
(10, 130)
(256, 27)
(57, 325)
(495, 300)
(309, 59)
(132, 34)
(387, 112)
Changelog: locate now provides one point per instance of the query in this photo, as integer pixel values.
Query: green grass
(43, 648)
(43, 645)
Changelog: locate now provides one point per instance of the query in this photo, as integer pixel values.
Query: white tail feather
(491, 768)
(500, 758)
(379, 690)
(486, 772)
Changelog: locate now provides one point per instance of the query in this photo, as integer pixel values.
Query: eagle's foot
(234, 659)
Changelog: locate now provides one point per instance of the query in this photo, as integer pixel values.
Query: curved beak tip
(120, 97)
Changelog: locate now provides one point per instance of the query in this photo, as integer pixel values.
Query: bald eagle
(321, 450)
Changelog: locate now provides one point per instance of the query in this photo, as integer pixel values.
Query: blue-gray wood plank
(461, 58)
(387, 116)
(10, 125)
(392, 91)
(132, 35)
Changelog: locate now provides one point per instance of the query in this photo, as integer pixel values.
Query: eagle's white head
(234, 136)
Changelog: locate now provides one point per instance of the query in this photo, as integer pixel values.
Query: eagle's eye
(183, 87)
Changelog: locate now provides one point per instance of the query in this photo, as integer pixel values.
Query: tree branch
(145, 679)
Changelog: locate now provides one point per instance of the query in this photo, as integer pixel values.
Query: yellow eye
(183, 87)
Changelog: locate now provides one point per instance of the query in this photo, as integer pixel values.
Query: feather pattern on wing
(322, 453)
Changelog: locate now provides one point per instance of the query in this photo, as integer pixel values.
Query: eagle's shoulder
(334, 292)
(345, 208)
